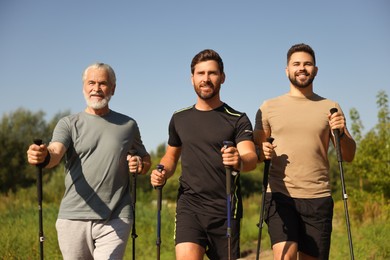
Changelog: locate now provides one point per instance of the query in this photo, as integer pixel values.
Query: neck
(208, 104)
(301, 92)
(99, 112)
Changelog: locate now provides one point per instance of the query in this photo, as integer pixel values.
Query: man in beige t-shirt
(298, 202)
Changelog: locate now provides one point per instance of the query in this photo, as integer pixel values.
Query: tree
(372, 160)
(17, 131)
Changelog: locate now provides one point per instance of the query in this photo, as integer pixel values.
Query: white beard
(99, 104)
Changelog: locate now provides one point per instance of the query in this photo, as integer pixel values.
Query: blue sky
(45, 45)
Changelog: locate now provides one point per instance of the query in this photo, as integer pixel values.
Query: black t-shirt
(200, 134)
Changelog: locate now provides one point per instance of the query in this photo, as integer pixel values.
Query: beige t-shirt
(301, 131)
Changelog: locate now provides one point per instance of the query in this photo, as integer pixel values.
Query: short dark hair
(206, 55)
(301, 47)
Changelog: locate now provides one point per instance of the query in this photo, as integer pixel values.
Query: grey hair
(106, 67)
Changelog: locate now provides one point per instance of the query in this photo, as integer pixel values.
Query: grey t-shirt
(96, 169)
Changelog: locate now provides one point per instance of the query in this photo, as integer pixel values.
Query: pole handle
(160, 168)
(269, 140)
(336, 133)
(267, 164)
(38, 141)
(133, 152)
(228, 169)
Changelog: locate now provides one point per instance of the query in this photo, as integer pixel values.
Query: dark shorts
(209, 232)
(305, 221)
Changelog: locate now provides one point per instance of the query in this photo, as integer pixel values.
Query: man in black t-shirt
(196, 134)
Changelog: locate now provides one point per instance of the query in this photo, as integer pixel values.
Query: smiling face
(301, 70)
(207, 79)
(97, 90)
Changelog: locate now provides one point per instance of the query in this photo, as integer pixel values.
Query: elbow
(349, 157)
(250, 163)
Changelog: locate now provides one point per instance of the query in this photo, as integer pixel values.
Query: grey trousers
(93, 239)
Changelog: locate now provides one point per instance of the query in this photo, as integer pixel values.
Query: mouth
(207, 86)
(302, 76)
(96, 95)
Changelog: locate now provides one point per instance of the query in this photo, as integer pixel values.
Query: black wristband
(342, 134)
(46, 161)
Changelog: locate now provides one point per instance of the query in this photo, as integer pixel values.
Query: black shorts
(209, 232)
(305, 221)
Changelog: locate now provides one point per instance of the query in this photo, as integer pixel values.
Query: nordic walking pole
(336, 133)
(134, 195)
(267, 164)
(160, 168)
(228, 169)
(39, 192)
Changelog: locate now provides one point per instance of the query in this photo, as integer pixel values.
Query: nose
(301, 67)
(206, 77)
(96, 87)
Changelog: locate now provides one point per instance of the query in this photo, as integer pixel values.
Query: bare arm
(36, 154)
(248, 156)
(347, 144)
(169, 160)
(265, 148)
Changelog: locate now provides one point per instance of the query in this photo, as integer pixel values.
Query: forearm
(248, 162)
(247, 156)
(260, 136)
(146, 164)
(348, 147)
(56, 151)
(169, 166)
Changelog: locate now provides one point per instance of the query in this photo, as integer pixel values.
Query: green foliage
(369, 227)
(372, 159)
(17, 131)
(252, 182)
(19, 225)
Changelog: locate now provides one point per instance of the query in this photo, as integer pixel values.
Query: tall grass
(19, 226)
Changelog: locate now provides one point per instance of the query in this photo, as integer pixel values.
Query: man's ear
(223, 78)
(315, 70)
(113, 90)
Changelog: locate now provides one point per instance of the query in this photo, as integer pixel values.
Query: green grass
(19, 226)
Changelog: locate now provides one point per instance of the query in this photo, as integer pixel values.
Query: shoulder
(275, 101)
(70, 118)
(326, 101)
(117, 114)
(183, 110)
(229, 110)
(183, 113)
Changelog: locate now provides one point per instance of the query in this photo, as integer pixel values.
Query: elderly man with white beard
(95, 215)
